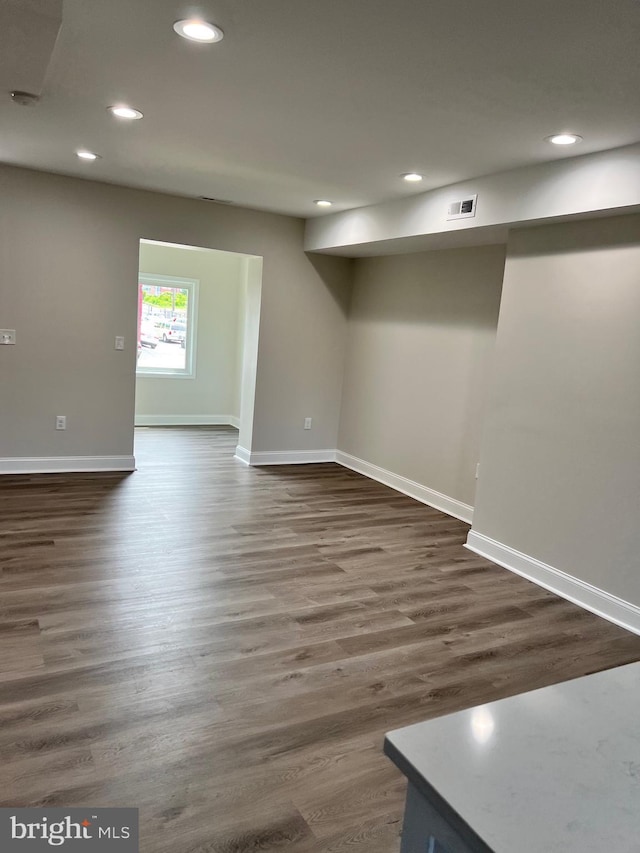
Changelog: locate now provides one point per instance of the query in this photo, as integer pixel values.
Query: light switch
(7, 336)
(119, 343)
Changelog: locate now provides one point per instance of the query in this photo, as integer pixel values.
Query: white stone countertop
(556, 770)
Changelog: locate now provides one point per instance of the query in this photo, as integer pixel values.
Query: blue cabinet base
(425, 830)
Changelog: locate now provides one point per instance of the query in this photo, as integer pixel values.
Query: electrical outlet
(7, 336)
(307, 423)
(61, 421)
(119, 342)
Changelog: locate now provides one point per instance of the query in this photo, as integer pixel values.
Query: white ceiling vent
(463, 209)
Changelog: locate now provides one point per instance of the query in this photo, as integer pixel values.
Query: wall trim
(443, 503)
(188, 420)
(243, 455)
(567, 586)
(65, 464)
(421, 493)
(284, 457)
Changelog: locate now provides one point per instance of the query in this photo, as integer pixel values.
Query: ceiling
(307, 99)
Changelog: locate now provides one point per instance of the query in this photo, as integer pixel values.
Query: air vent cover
(465, 208)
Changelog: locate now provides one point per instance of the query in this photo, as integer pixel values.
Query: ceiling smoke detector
(24, 99)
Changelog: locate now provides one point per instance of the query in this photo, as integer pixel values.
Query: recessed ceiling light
(564, 138)
(412, 177)
(323, 202)
(122, 111)
(87, 155)
(197, 30)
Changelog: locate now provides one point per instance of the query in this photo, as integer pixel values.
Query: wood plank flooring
(224, 647)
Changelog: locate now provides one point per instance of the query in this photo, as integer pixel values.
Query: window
(167, 316)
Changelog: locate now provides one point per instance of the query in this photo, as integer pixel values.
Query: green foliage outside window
(165, 300)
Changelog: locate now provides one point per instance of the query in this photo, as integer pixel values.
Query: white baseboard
(188, 420)
(585, 595)
(450, 506)
(284, 457)
(421, 493)
(65, 464)
(243, 455)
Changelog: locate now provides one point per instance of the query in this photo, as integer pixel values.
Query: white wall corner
(65, 464)
(188, 420)
(567, 586)
(421, 493)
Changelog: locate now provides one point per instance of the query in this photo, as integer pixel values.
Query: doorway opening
(198, 322)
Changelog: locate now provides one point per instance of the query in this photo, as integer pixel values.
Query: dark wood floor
(224, 647)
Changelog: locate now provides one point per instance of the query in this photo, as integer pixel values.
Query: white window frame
(191, 285)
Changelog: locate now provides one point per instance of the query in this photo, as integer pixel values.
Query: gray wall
(421, 334)
(68, 283)
(214, 390)
(560, 460)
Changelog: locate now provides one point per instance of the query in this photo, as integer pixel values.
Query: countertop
(556, 769)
